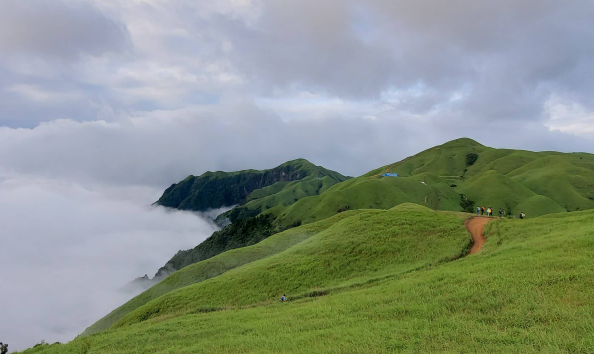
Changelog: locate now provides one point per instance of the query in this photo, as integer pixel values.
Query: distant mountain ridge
(213, 190)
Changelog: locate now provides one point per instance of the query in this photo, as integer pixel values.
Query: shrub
(471, 159)
(466, 204)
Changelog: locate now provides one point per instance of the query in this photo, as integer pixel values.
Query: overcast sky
(104, 103)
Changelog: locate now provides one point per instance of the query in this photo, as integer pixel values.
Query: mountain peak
(461, 142)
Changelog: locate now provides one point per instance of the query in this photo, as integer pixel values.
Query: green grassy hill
(493, 189)
(373, 193)
(536, 183)
(272, 199)
(378, 281)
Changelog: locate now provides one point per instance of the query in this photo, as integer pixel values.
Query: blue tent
(390, 175)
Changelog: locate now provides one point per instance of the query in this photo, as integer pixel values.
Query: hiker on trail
(490, 211)
(483, 211)
(500, 213)
(283, 298)
(478, 210)
(522, 215)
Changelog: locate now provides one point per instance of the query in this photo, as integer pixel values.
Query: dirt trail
(476, 226)
(385, 171)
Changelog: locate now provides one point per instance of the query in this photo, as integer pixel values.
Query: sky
(105, 103)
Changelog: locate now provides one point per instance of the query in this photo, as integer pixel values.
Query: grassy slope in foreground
(369, 244)
(217, 265)
(528, 291)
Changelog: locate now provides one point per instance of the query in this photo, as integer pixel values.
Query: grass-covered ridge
(527, 291)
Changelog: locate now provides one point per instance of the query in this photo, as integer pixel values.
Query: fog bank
(67, 250)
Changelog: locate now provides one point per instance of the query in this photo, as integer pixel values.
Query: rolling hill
(536, 183)
(325, 234)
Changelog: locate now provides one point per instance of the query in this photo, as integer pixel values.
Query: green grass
(562, 178)
(492, 189)
(528, 291)
(272, 199)
(359, 247)
(372, 193)
(217, 265)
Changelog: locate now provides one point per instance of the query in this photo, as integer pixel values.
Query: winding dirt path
(476, 226)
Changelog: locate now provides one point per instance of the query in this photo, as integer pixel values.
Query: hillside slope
(373, 193)
(359, 247)
(527, 291)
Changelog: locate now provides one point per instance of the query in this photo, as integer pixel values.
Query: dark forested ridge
(217, 189)
(238, 234)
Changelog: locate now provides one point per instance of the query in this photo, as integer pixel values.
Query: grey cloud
(509, 55)
(58, 29)
(310, 44)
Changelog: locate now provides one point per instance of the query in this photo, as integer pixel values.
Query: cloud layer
(66, 250)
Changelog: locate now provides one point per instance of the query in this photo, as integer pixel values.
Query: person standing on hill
(478, 210)
(500, 213)
(283, 298)
(483, 211)
(522, 215)
(490, 211)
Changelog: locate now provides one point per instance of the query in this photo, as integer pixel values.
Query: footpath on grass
(476, 226)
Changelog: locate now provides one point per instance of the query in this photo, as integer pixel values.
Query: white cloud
(39, 95)
(67, 249)
(569, 117)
